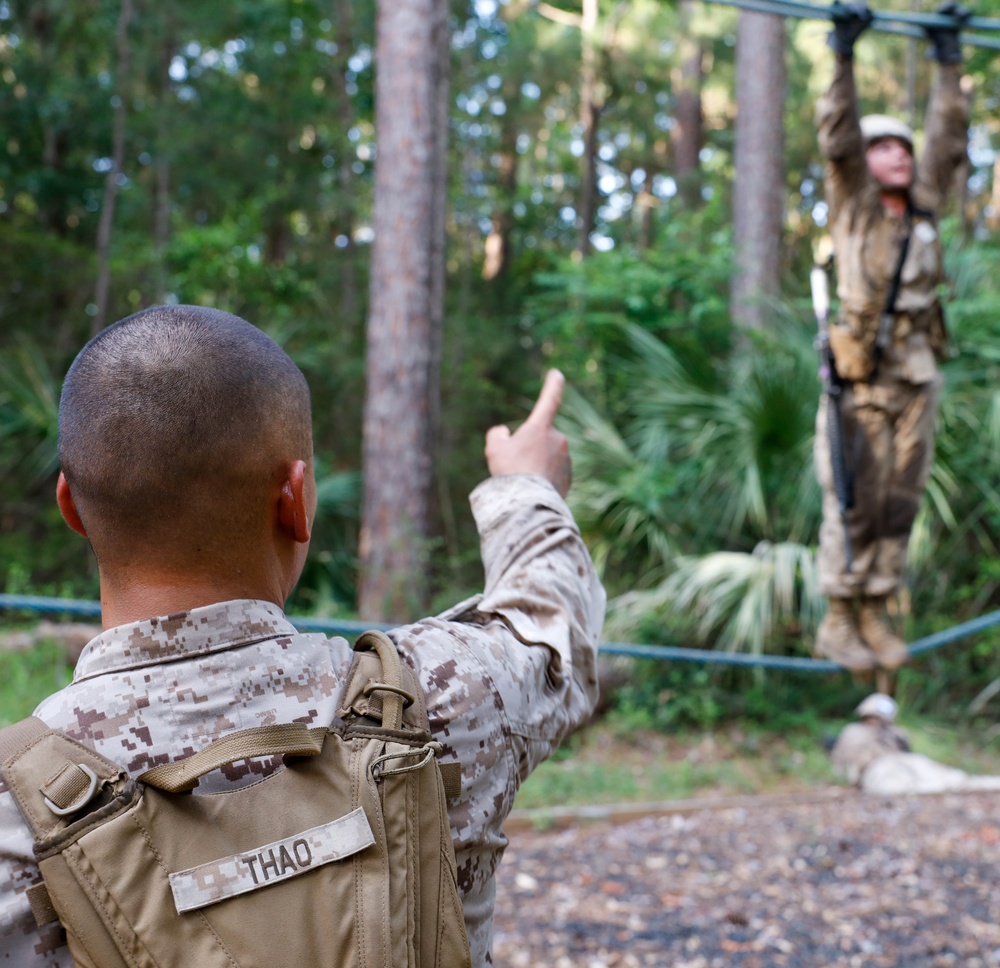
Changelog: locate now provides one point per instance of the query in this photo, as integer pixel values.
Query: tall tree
(759, 188)
(115, 174)
(687, 134)
(404, 310)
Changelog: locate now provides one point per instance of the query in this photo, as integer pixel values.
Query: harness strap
(289, 739)
(42, 907)
(19, 736)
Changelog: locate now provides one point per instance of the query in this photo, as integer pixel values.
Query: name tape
(260, 867)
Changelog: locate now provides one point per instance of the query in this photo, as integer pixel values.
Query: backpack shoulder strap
(51, 776)
(379, 686)
(379, 677)
(17, 736)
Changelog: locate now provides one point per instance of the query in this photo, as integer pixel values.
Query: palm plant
(717, 453)
(328, 583)
(740, 601)
(957, 523)
(29, 414)
(701, 463)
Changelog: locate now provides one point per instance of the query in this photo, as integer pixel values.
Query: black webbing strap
(885, 323)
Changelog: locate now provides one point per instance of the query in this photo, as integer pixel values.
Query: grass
(606, 764)
(26, 678)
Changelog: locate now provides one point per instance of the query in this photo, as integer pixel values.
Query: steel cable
(890, 22)
(662, 653)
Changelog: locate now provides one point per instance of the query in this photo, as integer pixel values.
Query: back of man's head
(175, 424)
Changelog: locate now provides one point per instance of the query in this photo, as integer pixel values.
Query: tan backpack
(343, 858)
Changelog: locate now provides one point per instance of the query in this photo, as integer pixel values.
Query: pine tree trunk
(687, 135)
(404, 310)
(759, 189)
(590, 112)
(111, 184)
(497, 256)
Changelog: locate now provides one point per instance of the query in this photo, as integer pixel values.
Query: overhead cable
(888, 21)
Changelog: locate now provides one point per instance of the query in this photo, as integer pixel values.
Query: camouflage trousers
(889, 447)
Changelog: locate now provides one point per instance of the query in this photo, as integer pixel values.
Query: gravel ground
(849, 882)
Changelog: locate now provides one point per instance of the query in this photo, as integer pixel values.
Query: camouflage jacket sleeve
(508, 674)
(946, 128)
(22, 943)
(840, 139)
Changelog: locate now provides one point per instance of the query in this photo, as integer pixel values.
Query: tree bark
(759, 188)
(687, 135)
(346, 219)
(111, 184)
(590, 111)
(405, 300)
(161, 212)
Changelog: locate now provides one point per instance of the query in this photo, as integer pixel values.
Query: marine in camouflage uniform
(875, 755)
(506, 676)
(890, 396)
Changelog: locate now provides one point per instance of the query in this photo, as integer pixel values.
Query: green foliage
(26, 678)
(670, 697)
(677, 696)
(247, 185)
(328, 581)
(29, 414)
(584, 311)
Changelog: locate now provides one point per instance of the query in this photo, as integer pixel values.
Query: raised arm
(837, 119)
(947, 122)
(508, 674)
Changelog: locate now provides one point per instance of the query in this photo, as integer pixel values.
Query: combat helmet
(880, 705)
(875, 127)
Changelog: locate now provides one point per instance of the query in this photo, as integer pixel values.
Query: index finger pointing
(547, 405)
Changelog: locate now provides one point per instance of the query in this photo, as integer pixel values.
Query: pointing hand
(536, 447)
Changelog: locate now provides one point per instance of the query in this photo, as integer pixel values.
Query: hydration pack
(343, 858)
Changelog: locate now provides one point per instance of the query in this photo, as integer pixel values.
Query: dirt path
(851, 882)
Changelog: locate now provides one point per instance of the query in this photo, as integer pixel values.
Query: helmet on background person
(878, 705)
(875, 127)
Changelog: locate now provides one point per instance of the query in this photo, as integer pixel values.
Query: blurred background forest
(600, 215)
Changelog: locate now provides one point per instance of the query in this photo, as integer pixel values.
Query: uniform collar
(169, 638)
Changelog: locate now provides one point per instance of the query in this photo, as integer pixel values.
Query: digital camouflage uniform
(889, 419)
(506, 675)
(876, 756)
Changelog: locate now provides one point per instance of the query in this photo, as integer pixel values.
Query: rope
(662, 653)
(889, 22)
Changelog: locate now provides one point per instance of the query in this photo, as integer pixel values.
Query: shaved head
(175, 426)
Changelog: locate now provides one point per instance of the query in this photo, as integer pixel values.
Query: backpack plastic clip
(70, 790)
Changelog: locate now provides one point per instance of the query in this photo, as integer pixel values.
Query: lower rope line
(661, 653)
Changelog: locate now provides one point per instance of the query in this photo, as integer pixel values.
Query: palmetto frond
(735, 600)
(337, 494)
(29, 413)
(747, 441)
(618, 499)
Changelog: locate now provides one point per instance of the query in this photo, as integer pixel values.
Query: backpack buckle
(425, 753)
(70, 790)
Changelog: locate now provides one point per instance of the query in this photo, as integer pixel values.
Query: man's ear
(293, 507)
(67, 506)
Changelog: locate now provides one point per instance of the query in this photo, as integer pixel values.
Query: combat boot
(888, 648)
(839, 638)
